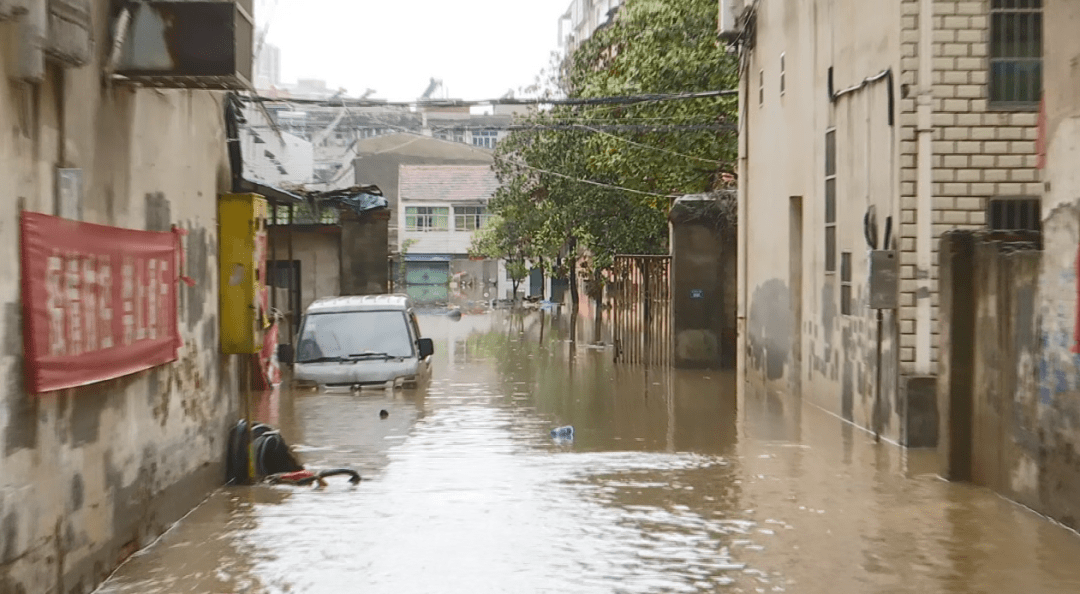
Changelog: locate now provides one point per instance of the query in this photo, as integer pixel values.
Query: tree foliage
(671, 148)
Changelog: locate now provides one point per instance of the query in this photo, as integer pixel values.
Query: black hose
(354, 477)
(280, 478)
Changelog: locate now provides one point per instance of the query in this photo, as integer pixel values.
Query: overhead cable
(612, 100)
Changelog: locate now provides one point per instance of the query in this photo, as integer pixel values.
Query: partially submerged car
(351, 342)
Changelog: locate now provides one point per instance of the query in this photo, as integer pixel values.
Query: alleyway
(671, 485)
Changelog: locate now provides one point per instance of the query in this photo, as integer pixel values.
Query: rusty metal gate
(641, 309)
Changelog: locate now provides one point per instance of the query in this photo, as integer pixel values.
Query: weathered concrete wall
(796, 338)
(365, 253)
(976, 151)
(1009, 382)
(703, 277)
(1056, 365)
(92, 474)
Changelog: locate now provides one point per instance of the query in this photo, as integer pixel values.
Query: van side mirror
(285, 353)
(426, 347)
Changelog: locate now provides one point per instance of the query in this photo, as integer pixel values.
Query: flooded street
(670, 485)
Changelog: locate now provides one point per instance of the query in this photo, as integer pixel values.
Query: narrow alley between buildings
(673, 482)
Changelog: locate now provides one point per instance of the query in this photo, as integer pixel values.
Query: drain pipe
(924, 189)
(742, 238)
(32, 31)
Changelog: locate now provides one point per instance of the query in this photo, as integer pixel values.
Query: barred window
(427, 218)
(469, 218)
(1015, 53)
(1021, 213)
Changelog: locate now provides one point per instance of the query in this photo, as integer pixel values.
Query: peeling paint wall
(93, 474)
(1010, 383)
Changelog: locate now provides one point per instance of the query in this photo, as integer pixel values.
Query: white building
(582, 18)
(857, 117)
(441, 207)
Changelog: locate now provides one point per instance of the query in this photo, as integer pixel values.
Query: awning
(275, 195)
(430, 257)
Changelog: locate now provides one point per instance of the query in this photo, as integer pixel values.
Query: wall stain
(770, 327)
(78, 492)
(198, 251)
(89, 403)
(158, 213)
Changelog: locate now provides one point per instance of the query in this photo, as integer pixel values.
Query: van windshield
(354, 335)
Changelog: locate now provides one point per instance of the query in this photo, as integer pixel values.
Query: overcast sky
(478, 48)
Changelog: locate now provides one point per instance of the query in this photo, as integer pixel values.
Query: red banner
(98, 302)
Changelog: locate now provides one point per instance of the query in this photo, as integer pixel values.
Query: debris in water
(566, 432)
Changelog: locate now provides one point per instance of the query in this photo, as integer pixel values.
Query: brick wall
(978, 153)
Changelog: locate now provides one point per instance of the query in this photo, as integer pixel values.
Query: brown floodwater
(672, 484)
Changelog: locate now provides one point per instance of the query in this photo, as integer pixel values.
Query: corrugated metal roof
(446, 183)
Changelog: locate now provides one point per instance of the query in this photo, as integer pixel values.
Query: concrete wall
(318, 251)
(379, 159)
(1009, 414)
(92, 474)
(795, 336)
(703, 282)
(365, 268)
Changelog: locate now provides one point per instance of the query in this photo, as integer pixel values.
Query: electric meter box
(242, 241)
(884, 279)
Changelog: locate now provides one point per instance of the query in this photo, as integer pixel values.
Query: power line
(650, 147)
(614, 127)
(581, 180)
(612, 100)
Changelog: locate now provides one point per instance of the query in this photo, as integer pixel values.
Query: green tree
(638, 156)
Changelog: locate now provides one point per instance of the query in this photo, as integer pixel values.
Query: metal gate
(428, 283)
(641, 309)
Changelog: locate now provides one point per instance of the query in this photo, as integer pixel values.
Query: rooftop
(447, 183)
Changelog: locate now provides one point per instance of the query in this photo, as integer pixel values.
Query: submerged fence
(640, 293)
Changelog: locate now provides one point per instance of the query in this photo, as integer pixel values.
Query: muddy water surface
(670, 485)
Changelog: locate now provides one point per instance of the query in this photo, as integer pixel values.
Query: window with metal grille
(485, 138)
(1015, 53)
(427, 218)
(845, 283)
(469, 218)
(830, 201)
(1014, 214)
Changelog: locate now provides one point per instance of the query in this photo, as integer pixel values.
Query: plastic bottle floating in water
(566, 432)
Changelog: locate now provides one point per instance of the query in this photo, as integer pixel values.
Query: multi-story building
(582, 18)
(867, 129)
(442, 207)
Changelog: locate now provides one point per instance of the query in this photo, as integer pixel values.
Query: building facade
(440, 209)
(873, 127)
(93, 473)
(582, 18)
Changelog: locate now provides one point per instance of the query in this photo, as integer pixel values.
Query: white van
(350, 342)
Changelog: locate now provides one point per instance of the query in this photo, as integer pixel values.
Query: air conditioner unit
(730, 13)
(186, 44)
(10, 9)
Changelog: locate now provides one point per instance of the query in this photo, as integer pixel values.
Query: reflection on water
(668, 486)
